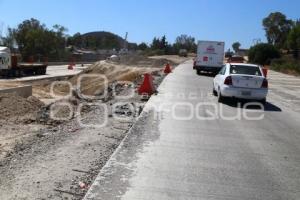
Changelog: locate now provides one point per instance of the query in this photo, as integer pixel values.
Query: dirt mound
(109, 71)
(172, 59)
(143, 61)
(12, 105)
(112, 72)
(134, 60)
(127, 68)
(161, 62)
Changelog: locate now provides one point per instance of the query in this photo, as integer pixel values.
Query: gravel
(15, 106)
(48, 159)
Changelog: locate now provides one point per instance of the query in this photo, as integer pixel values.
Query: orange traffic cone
(147, 88)
(167, 69)
(265, 72)
(70, 67)
(71, 64)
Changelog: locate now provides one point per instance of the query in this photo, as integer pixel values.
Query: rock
(82, 185)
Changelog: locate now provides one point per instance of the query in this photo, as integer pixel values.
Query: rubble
(52, 148)
(128, 68)
(15, 107)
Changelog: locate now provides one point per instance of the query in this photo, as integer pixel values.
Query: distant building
(92, 56)
(242, 52)
(96, 55)
(236, 59)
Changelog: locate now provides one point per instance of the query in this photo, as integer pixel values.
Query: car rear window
(246, 70)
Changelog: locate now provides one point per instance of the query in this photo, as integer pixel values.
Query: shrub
(156, 52)
(263, 54)
(294, 40)
(286, 65)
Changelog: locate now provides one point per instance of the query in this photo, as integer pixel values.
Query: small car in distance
(183, 53)
(242, 81)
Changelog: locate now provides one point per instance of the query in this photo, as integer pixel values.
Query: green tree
(35, 39)
(185, 42)
(98, 40)
(155, 43)
(75, 40)
(263, 53)
(228, 53)
(9, 41)
(163, 43)
(132, 46)
(277, 27)
(236, 46)
(294, 40)
(160, 44)
(60, 40)
(143, 46)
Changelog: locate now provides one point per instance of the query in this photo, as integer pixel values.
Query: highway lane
(53, 71)
(187, 146)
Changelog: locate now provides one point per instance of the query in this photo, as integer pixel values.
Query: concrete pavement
(285, 90)
(187, 146)
(53, 71)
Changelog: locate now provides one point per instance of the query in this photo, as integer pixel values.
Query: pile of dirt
(143, 61)
(127, 68)
(172, 59)
(26, 148)
(15, 106)
(108, 71)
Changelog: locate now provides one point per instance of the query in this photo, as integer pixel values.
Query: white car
(243, 81)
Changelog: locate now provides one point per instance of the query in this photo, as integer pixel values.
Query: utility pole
(125, 42)
(1, 32)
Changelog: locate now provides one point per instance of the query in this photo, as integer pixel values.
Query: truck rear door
(210, 54)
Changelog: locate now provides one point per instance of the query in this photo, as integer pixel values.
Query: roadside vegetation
(160, 46)
(286, 65)
(282, 51)
(35, 41)
(263, 53)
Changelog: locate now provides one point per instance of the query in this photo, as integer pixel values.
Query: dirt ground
(46, 158)
(128, 68)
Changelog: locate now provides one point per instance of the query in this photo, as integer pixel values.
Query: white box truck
(210, 56)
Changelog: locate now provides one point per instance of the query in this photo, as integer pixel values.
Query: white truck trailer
(210, 56)
(9, 66)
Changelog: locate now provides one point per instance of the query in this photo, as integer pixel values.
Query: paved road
(52, 71)
(285, 90)
(174, 153)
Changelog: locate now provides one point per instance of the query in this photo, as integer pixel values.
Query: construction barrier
(147, 87)
(71, 64)
(265, 72)
(70, 67)
(167, 69)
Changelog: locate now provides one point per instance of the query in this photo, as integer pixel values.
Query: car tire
(215, 93)
(220, 97)
(198, 72)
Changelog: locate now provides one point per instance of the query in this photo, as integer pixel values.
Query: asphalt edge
(88, 195)
(117, 150)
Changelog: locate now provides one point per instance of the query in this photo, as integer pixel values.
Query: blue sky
(224, 20)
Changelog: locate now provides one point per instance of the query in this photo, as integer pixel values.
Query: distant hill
(99, 40)
(102, 34)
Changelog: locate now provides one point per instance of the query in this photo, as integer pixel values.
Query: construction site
(126, 100)
(45, 152)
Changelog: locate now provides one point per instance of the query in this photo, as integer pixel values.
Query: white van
(210, 56)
